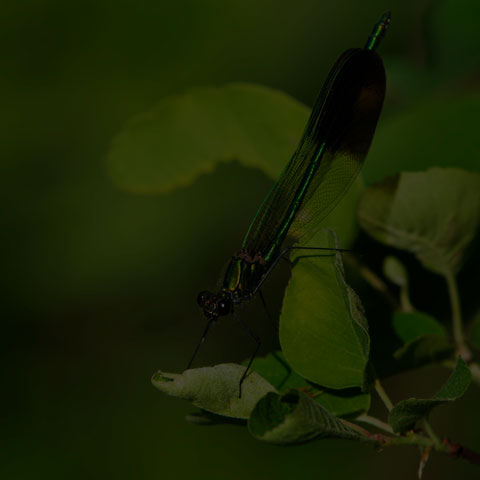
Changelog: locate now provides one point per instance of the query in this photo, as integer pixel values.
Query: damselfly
(326, 162)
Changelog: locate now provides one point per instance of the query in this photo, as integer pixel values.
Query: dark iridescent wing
(328, 157)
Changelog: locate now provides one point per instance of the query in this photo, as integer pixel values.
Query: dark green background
(100, 285)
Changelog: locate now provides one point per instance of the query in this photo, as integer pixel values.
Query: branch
(458, 451)
(457, 326)
(455, 451)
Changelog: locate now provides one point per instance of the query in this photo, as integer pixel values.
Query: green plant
(320, 384)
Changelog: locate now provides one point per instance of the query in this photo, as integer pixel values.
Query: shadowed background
(100, 285)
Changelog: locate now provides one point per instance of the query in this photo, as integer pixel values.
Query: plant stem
(383, 395)
(457, 326)
(413, 439)
(372, 279)
(405, 303)
(376, 422)
(436, 441)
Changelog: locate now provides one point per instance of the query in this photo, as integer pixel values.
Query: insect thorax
(243, 275)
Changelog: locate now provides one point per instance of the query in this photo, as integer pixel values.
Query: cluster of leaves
(325, 373)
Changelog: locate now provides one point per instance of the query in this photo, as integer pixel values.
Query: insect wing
(328, 157)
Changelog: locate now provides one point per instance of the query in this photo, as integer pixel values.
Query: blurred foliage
(99, 284)
(188, 135)
(435, 215)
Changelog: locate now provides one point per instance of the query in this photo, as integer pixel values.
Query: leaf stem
(436, 441)
(376, 422)
(412, 439)
(457, 326)
(372, 279)
(383, 395)
(405, 303)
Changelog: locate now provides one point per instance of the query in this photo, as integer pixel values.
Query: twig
(457, 326)
(372, 279)
(383, 395)
(458, 451)
(376, 422)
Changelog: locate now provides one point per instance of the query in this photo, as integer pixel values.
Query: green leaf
(345, 403)
(187, 135)
(395, 271)
(454, 37)
(294, 418)
(323, 331)
(411, 325)
(215, 389)
(434, 215)
(407, 412)
(275, 369)
(439, 131)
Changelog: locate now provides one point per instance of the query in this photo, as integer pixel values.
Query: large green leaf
(407, 412)
(439, 131)
(323, 331)
(433, 214)
(295, 418)
(346, 403)
(187, 135)
(216, 389)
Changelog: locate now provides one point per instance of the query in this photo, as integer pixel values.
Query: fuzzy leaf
(407, 412)
(215, 389)
(294, 418)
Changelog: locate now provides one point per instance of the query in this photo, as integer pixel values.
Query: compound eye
(203, 297)
(224, 306)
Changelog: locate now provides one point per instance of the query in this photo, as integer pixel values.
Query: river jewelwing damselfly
(328, 158)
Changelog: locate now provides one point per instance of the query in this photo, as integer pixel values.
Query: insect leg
(205, 332)
(257, 341)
